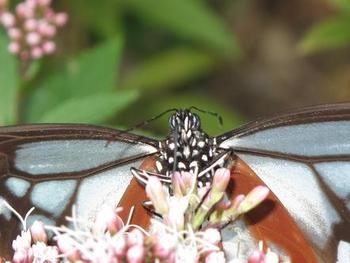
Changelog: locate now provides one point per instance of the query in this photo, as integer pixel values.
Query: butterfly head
(184, 120)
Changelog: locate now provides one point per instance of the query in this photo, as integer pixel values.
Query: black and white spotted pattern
(187, 148)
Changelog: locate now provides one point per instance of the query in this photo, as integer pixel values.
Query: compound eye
(195, 122)
(172, 121)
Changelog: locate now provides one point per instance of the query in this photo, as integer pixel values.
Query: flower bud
(33, 38)
(120, 246)
(107, 219)
(221, 178)
(215, 257)
(271, 257)
(49, 47)
(156, 193)
(46, 29)
(44, 3)
(22, 241)
(177, 183)
(236, 201)
(135, 238)
(61, 19)
(30, 24)
(14, 48)
(188, 180)
(256, 257)
(7, 19)
(164, 247)
(23, 11)
(14, 33)
(38, 232)
(135, 254)
(23, 256)
(253, 198)
(66, 246)
(36, 52)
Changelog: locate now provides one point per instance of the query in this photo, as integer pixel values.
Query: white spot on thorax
(186, 151)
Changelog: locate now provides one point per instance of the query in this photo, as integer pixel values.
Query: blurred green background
(121, 62)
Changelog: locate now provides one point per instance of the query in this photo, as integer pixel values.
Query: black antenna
(141, 124)
(217, 115)
(146, 122)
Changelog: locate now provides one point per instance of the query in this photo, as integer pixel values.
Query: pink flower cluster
(109, 240)
(188, 232)
(31, 28)
(31, 246)
(259, 256)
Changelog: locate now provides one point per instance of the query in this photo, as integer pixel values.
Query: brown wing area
(270, 222)
(12, 138)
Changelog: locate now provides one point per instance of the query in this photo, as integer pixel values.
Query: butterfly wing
(52, 167)
(304, 158)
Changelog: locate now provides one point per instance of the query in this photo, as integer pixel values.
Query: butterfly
(303, 157)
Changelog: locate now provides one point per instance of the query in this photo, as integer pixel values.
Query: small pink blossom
(44, 2)
(120, 246)
(30, 24)
(22, 241)
(107, 219)
(66, 245)
(46, 29)
(33, 26)
(44, 253)
(135, 254)
(253, 198)
(221, 179)
(37, 52)
(135, 238)
(49, 47)
(38, 232)
(14, 48)
(33, 38)
(7, 19)
(14, 33)
(61, 19)
(23, 256)
(156, 192)
(164, 246)
(215, 257)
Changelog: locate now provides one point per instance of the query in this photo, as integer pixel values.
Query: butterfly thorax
(187, 148)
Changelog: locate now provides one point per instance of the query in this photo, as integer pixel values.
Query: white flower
(176, 212)
(22, 241)
(44, 253)
(215, 257)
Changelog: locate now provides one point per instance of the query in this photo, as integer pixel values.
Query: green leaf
(9, 81)
(169, 69)
(190, 19)
(90, 109)
(94, 71)
(342, 5)
(99, 16)
(329, 34)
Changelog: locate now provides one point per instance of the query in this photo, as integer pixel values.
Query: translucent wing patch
(63, 156)
(314, 139)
